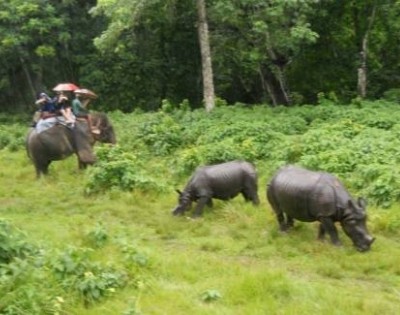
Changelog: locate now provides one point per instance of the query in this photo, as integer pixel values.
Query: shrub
(161, 133)
(379, 183)
(118, 169)
(13, 244)
(90, 281)
(12, 137)
(392, 95)
(97, 236)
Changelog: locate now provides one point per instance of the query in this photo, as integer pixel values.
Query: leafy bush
(97, 237)
(118, 169)
(91, 281)
(12, 137)
(392, 95)
(161, 134)
(24, 288)
(13, 244)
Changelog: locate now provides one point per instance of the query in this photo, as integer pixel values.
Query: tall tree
(364, 17)
(269, 35)
(26, 41)
(155, 44)
(41, 44)
(206, 61)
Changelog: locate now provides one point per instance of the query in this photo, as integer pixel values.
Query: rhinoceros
(221, 181)
(308, 196)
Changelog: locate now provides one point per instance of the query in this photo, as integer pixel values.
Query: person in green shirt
(80, 110)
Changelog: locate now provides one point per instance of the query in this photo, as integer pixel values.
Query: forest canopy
(137, 53)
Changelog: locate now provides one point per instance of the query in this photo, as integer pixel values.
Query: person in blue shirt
(46, 105)
(63, 106)
(46, 108)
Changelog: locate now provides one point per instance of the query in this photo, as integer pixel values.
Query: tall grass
(231, 261)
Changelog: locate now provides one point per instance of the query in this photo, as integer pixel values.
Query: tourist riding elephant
(60, 142)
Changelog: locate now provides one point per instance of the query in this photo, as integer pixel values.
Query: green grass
(234, 250)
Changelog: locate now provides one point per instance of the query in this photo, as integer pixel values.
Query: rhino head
(354, 224)
(184, 203)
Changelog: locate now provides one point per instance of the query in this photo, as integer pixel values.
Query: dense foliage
(135, 54)
(359, 143)
(107, 241)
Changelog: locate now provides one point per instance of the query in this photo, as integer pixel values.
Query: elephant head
(107, 134)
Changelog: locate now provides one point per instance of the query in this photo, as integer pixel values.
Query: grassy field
(231, 261)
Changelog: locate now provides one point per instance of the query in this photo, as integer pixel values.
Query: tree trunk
(266, 86)
(28, 77)
(278, 70)
(362, 70)
(208, 83)
(281, 77)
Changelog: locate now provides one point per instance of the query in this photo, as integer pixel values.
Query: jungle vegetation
(310, 82)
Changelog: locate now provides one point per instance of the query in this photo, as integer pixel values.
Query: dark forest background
(135, 54)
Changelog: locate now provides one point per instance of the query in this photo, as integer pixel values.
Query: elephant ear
(102, 122)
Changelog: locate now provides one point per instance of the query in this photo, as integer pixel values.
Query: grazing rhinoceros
(309, 196)
(221, 181)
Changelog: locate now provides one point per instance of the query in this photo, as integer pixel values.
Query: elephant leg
(42, 168)
(86, 157)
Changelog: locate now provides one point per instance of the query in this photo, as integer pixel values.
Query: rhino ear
(350, 203)
(362, 202)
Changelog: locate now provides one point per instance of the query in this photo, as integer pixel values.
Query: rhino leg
(281, 221)
(198, 211)
(278, 212)
(329, 226)
(321, 232)
(289, 222)
(251, 196)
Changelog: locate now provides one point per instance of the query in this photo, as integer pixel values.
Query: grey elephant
(60, 142)
(221, 181)
(304, 195)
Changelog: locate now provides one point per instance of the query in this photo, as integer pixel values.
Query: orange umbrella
(86, 92)
(65, 87)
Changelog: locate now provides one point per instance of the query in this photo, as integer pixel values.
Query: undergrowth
(103, 240)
